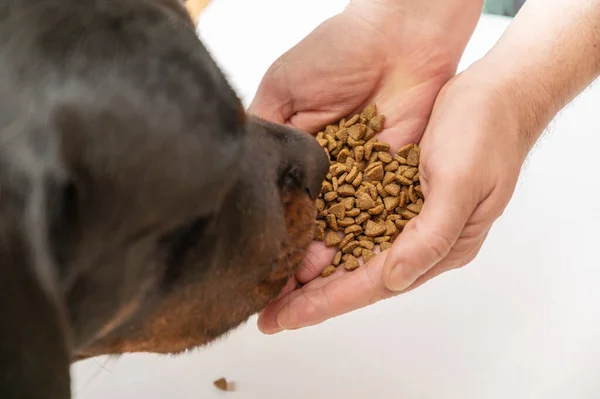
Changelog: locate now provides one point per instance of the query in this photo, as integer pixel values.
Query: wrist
(547, 56)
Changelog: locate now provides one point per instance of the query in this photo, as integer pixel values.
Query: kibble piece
(408, 214)
(403, 197)
(412, 195)
(364, 201)
(369, 112)
(382, 193)
(368, 148)
(358, 180)
(352, 174)
(416, 208)
(374, 229)
(385, 245)
(392, 189)
(328, 271)
(380, 217)
(392, 166)
(354, 212)
(348, 203)
(338, 210)
(345, 222)
(413, 157)
(337, 258)
(401, 223)
(376, 210)
(388, 178)
(326, 187)
(341, 179)
(410, 173)
(354, 143)
(330, 130)
(379, 240)
(419, 191)
(330, 196)
(319, 204)
(351, 263)
(221, 384)
(362, 217)
(373, 192)
(377, 123)
(405, 150)
(401, 160)
(357, 252)
(346, 190)
(355, 228)
(359, 153)
(380, 146)
(367, 255)
(357, 132)
(346, 240)
(319, 234)
(332, 222)
(332, 239)
(401, 169)
(390, 228)
(348, 248)
(404, 181)
(375, 173)
(366, 244)
(416, 178)
(335, 183)
(384, 157)
(352, 120)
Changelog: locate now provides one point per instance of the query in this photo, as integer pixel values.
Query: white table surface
(522, 321)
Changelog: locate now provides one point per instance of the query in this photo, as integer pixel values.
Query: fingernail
(399, 279)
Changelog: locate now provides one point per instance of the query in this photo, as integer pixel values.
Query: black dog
(139, 209)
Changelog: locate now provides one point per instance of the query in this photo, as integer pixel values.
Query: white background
(522, 321)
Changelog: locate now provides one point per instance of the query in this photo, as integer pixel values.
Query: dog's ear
(34, 355)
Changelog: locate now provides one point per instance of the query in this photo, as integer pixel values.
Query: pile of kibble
(369, 195)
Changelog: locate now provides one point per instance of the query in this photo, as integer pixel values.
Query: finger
(322, 299)
(317, 257)
(273, 101)
(430, 236)
(457, 258)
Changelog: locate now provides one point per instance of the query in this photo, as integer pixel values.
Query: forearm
(549, 54)
(447, 22)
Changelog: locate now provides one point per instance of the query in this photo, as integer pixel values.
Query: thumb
(273, 100)
(430, 236)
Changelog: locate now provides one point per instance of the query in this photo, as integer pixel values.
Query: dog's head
(140, 209)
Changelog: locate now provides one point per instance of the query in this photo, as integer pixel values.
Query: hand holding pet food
(483, 124)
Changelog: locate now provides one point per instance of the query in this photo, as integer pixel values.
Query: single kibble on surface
(221, 384)
(369, 195)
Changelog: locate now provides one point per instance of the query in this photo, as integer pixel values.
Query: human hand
(469, 168)
(351, 60)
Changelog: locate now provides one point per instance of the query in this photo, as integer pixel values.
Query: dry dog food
(221, 384)
(369, 194)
